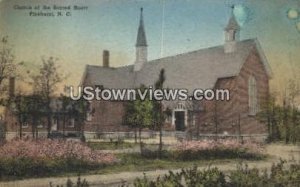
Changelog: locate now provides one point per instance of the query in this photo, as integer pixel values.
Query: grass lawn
(135, 162)
(111, 145)
(130, 162)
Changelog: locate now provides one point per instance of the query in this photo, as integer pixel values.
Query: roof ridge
(202, 49)
(173, 56)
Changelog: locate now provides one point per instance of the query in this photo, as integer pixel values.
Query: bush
(192, 150)
(54, 149)
(70, 183)
(187, 177)
(26, 158)
(241, 177)
(14, 168)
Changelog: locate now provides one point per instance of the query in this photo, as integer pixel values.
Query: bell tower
(231, 33)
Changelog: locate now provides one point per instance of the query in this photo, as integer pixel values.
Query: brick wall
(108, 117)
(229, 114)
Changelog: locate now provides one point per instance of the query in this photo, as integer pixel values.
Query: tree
(79, 111)
(271, 115)
(45, 84)
(28, 108)
(71, 109)
(2, 131)
(7, 65)
(294, 92)
(144, 117)
(159, 115)
(139, 115)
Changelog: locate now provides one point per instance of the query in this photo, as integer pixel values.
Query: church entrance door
(179, 120)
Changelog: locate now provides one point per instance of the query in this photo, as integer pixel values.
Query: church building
(237, 65)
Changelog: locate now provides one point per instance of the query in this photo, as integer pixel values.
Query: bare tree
(45, 84)
(7, 65)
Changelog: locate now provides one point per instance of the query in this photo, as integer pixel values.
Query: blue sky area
(172, 27)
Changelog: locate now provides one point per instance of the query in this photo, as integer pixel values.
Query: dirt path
(288, 153)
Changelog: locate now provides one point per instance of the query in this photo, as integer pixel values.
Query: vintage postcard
(149, 93)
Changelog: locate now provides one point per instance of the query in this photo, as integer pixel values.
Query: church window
(252, 93)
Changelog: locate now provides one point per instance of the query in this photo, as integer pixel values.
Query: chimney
(11, 87)
(105, 58)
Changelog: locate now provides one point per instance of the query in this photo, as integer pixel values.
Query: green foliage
(15, 168)
(243, 176)
(2, 131)
(216, 154)
(187, 177)
(114, 144)
(70, 183)
(279, 176)
(139, 112)
(28, 108)
(283, 120)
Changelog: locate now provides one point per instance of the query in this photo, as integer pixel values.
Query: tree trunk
(140, 139)
(48, 125)
(64, 125)
(160, 141)
(32, 128)
(135, 134)
(20, 131)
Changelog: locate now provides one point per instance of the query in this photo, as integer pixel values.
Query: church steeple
(141, 45)
(231, 33)
(141, 36)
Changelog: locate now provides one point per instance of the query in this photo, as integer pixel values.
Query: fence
(177, 135)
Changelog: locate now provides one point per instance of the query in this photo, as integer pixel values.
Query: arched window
(252, 93)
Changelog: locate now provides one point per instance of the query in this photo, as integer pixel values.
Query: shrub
(54, 149)
(243, 176)
(70, 183)
(26, 158)
(191, 150)
(187, 177)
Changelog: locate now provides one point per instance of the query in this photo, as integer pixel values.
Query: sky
(172, 27)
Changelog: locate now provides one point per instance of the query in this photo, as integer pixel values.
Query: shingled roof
(196, 69)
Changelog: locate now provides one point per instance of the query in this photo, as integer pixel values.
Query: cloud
(292, 13)
(242, 14)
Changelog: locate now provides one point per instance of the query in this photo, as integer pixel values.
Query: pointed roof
(182, 71)
(141, 36)
(232, 23)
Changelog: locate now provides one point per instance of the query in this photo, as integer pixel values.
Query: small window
(54, 121)
(89, 112)
(252, 93)
(89, 116)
